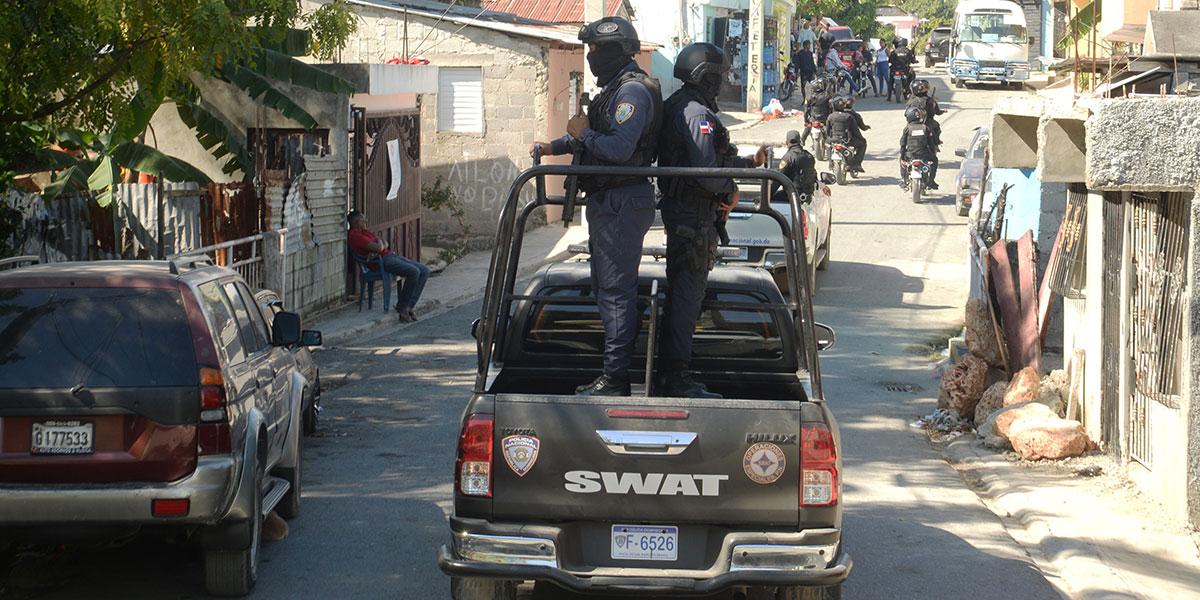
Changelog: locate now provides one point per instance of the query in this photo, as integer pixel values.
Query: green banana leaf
(146, 159)
(261, 90)
(1081, 24)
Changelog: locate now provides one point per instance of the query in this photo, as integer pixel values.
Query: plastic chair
(367, 278)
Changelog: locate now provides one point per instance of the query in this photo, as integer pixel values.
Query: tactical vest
(647, 145)
(819, 108)
(918, 143)
(924, 103)
(672, 148)
(839, 126)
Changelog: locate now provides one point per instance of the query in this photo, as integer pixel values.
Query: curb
(387, 322)
(1071, 564)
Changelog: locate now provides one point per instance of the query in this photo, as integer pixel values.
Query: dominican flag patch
(706, 128)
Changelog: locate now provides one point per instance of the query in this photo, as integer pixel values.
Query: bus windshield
(991, 29)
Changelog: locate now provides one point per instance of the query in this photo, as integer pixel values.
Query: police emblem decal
(623, 112)
(606, 27)
(764, 463)
(520, 452)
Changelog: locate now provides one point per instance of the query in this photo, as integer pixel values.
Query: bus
(989, 43)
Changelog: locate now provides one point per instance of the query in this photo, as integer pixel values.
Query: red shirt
(361, 239)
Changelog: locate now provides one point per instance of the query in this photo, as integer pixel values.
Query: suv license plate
(645, 542)
(62, 437)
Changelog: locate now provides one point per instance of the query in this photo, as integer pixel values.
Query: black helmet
(819, 84)
(920, 87)
(896, 41)
(903, 43)
(615, 30)
(841, 103)
(915, 114)
(698, 61)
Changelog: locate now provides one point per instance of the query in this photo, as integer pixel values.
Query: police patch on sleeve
(624, 111)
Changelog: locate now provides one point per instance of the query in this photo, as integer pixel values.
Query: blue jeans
(884, 76)
(415, 275)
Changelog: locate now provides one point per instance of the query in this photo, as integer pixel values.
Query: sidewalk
(460, 283)
(1092, 535)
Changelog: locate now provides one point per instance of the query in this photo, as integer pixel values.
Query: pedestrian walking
(806, 66)
(881, 69)
(620, 129)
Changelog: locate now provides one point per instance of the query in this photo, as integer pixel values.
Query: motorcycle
(818, 136)
(899, 84)
(865, 73)
(839, 155)
(788, 86)
(918, 179)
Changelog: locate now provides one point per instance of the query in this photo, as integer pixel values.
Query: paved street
(378, 478)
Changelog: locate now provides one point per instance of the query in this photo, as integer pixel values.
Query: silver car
(270, 305)
(971, 174)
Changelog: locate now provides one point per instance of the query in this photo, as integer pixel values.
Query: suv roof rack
(188, 262)
(16, 262)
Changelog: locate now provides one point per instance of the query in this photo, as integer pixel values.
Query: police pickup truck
(647, 494)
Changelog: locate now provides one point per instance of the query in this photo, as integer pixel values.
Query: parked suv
(147, 393)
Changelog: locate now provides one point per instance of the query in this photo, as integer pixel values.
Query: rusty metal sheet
(1001, 273)
(1046, 292)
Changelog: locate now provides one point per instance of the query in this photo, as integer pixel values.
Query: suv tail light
(804, 223)
(473, 475)
(818, 466)
(213, 432)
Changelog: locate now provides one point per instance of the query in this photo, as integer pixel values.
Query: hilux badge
(520, 452)
(764, 463)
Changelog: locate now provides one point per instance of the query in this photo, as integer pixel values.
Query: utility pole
(754, 58)
(592, 10)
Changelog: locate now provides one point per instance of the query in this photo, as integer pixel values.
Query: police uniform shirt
(705, 141)
(916, 142)
(628, 115)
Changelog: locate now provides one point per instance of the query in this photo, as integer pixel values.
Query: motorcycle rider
(693, 207)
(916, 142)
(901, 58)
(797, 164)
(621, 128)
(864, 68)
(816, 105)
(846, 127)
(922, 99)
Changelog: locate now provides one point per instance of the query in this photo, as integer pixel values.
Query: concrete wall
(1147, 144)
(478, 166)
(312, 274)
(1190, 411)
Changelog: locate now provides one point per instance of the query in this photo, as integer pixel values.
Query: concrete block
(1014, 141)
(1063, 144)
(1144, 144)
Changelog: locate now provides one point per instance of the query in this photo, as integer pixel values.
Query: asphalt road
(378, 478)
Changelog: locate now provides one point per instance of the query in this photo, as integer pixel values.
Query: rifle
(571, 185)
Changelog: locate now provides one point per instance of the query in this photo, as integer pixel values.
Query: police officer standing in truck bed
(692, 207)
(621, 129)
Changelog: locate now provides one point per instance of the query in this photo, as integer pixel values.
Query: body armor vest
(647, 145)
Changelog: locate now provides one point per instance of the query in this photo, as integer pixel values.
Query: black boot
(679, 384)
(604, 385)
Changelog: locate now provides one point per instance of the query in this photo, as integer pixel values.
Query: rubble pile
(1026, 413)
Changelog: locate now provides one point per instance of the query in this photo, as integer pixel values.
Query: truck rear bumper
(518, 552)
(207, 491)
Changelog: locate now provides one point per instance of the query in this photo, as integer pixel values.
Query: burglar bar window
(460, 99)
(1067, 272)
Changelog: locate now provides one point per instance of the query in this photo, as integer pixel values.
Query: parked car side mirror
(475, 329)
(826, 337)
(310, 338)
(828, 178)
(285, 329)
(961, 152)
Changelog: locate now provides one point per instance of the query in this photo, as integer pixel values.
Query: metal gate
(397, 220)
(1158, 230)
(1110, 325)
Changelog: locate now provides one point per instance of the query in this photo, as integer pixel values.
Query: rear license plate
(645, 542)
(63, 437)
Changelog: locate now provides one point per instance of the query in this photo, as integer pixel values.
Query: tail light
(968, 199)
(213, 431)
(804, 223)
(818, 466)
(473, 474)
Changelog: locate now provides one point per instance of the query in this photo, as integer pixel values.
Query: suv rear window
(722, 331)
(96, 337)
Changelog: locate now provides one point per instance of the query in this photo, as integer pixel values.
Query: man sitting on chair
(367, 245)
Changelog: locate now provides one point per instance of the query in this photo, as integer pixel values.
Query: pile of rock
(1026, 413)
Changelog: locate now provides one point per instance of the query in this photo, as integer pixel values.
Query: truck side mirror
(961, 152)
(475, 329)
(285, 329)
(826, 337)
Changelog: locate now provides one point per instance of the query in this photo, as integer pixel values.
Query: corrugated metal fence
(76, 228)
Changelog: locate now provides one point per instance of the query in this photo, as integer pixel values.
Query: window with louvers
(460, 99)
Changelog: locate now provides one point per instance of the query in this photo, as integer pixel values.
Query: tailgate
(646, 459)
